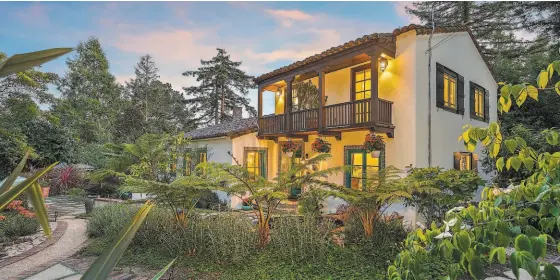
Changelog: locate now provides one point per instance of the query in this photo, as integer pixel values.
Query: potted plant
(289, 147)
(247, 204)
(321, 146)
(374, 144)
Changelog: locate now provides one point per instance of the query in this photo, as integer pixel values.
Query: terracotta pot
(289, 154)
(375, 154)
(45, 191)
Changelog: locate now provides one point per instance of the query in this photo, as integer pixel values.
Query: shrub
(51, 142)
(300, 238)
(224, 237)
(455, 187)
(65, 177)
(388, 231)
(77, 193)
(15, 224)
(210, 200)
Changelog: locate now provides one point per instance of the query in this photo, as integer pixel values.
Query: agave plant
(9, 192)
(21, 62)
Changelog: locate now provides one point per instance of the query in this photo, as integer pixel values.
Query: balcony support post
(260, 106)
(288, 105)
(321, 92)
(374, 105)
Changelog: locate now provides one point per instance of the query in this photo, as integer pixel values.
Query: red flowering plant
(289, 147)
(321, 146)
(17, 206)
(373, 143)
(247, 202)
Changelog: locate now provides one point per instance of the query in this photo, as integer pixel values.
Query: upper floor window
(361, 79)
(479, 102)
(450, 90)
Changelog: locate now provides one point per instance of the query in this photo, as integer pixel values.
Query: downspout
(430, 90)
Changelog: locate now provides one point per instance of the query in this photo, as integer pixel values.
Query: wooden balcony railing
(385, 112)
(342, 115)
(347, 113)
(271, 124)
(305, 120)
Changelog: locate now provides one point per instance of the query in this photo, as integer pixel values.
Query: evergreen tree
(30, 83)
(91, 98)
(152, 106)
(492, 23)
(222, 87)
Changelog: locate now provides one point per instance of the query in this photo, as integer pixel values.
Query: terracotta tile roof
(232, 129)
(375, 38)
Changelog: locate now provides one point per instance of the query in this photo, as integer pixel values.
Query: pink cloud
(287, 17)
(400, 9)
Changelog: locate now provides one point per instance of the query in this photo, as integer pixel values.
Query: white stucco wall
(459, 54)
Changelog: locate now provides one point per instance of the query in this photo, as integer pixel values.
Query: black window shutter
(471, 100)
(460, 95)
(439, 85)
(486, 105)
(474, 162)
(457, 160)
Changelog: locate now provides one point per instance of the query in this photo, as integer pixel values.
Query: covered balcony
(332, 93)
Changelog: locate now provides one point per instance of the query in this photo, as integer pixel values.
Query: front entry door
(362, 163)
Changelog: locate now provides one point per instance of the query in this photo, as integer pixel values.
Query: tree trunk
(223, 103)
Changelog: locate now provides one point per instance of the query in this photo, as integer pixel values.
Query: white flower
(456, 209)
(444, 235)
(450, 223)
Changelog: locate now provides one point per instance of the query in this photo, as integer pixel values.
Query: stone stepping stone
(56, 271)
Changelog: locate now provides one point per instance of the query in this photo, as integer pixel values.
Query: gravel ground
(72, 240)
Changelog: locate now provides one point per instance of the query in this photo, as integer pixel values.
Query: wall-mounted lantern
(383, 62)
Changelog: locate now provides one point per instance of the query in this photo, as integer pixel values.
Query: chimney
(237, 113)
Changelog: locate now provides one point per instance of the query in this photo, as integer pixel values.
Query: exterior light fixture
(278, 93)
(383, 62)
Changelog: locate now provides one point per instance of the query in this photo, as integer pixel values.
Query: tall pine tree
(222, 86)
(91, 97)
(152, 106)
(493, 24)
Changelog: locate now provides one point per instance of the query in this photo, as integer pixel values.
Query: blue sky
(264, 35)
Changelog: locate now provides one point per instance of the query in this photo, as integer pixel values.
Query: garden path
(508, 275)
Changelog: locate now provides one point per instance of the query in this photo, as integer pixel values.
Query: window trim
(264, 150)
(455, 76)
(347, 151)
(459, 88)
(473, 87)
(353, 79)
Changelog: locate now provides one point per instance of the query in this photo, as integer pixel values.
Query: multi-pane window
(255, 162)
(479, 102)
(362, 164)
(362, 84)
(450, 90)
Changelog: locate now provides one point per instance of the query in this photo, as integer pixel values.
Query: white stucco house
(378, 83)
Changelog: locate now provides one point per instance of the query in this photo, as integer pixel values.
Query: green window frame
(255, 159)
(359, 171)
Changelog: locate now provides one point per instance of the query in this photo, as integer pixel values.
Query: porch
(329, 94)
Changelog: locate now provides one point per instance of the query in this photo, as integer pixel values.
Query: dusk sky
(263, 35)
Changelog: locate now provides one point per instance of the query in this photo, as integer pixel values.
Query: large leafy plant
(264, 195)
(522, 216)
(380, 190)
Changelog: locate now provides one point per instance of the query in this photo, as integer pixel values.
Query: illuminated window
(465, 161)
(362, 163)
(362, 83)
(256, 162)
(450, 90)
(479, 102)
